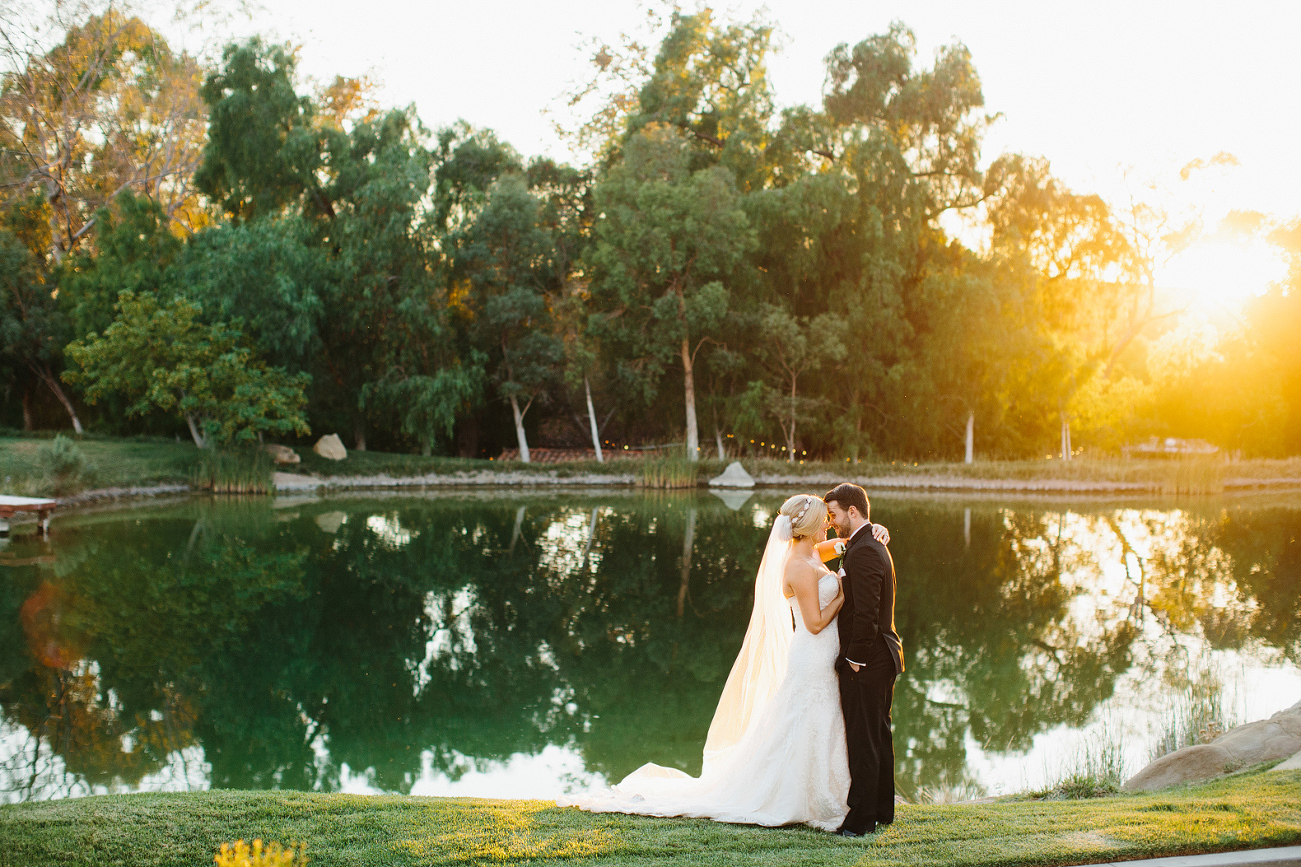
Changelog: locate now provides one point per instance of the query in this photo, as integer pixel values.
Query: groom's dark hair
(849, 495)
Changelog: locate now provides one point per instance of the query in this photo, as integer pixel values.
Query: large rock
(734, 476)
(1292, 764)
(1270, 740)
(330, 522)
(282, 454)
(330, 447)
(734, 499)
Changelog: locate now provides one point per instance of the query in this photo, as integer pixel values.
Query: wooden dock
(10, 506)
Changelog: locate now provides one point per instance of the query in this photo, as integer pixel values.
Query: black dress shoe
(846, 832)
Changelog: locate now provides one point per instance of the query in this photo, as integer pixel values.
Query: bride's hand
(881, 534)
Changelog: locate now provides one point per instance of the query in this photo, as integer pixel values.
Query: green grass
(1250, 810)
(117, 463)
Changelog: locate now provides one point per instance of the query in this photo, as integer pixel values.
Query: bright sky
(1098, 88)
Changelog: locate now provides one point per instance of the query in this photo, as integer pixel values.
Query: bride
(775, 753)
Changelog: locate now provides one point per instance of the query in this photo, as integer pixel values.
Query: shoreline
(297, 483)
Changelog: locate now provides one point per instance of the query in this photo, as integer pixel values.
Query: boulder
(330, 522)
(734, 476)
(1292, 764)
(1199, 762)
(282, 454)
(734, 499)
(330, 447)
(1270, 740)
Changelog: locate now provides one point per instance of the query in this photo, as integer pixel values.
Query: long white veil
(761, 664)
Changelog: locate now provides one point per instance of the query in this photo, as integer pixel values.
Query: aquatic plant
(667, 473)
(234, 471)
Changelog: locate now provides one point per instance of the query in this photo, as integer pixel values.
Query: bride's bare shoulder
(798, 571)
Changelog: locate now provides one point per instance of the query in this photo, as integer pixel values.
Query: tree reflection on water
(258, 645)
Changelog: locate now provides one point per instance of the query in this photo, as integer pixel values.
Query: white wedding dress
(788, 763)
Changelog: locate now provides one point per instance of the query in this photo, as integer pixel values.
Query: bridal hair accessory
(808, 501)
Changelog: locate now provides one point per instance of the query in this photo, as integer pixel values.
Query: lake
(522, 643)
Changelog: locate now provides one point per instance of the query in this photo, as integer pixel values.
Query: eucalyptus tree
(109, 108)
(903, 143)
(33, 327)
(792, 347)
(665, 239)
(362, 183)
(1065, 259)
(500, 254)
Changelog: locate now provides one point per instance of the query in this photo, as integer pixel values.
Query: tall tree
(109, 108)
(33, 328)
(666, 239)
(502, 253)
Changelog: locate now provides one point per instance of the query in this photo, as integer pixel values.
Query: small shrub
(66, 466)
(240, 854)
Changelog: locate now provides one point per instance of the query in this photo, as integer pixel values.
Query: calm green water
(514, 645)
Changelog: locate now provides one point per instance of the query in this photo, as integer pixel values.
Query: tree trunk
(519, 429)
(194, 430)
(359, 437)
(790, 432)
(587, 546)
(28, 424)
(591, 418)
(971, 436)
(718, 439)
(47, 376)
(1066, 439)
(689, 379)
(688, 542)
(519, 528)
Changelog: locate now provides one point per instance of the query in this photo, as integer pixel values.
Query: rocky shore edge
(287, 483)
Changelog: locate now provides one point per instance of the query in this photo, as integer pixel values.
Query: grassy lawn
(110, 463)
(1250, 810)
(25, 468)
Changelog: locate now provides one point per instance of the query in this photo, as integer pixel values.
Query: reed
(234, 471)
(1197, 716)
(1194, 475)
(1098, 770)
(667, 473)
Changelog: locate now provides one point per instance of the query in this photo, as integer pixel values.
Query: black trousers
(865, 698)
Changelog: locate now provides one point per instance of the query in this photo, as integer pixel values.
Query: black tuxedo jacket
(866, 620)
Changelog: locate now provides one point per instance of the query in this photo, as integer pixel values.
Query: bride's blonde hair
(807, 513)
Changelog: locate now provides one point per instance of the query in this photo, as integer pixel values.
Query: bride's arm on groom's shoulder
(805, 586)
(881, 534)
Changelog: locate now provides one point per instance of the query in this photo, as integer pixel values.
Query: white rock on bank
(330, 447)
(734, 476)
(282, 454)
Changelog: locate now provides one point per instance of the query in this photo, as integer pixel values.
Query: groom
(871, 657)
